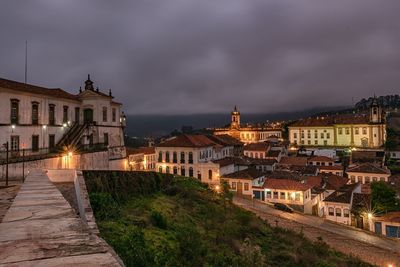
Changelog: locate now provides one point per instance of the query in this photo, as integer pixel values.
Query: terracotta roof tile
(297, 161)
(320, 159)
(343, 194)
(257, 147)
(368, 168)
(33, 89)
(286, 184)
(144, 150)
(186, 140)
(250, 174)
(359, 118)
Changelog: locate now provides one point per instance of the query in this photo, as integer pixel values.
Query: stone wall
(86, 161)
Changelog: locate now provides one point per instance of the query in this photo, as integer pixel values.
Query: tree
(383, 197)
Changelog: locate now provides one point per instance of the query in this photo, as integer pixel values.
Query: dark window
(338, 212)
(182, 157)
(77, 115)
(35, 113)
(183, 173)
(210, 174)
(175, 170)
(106, 139)
(65, 114)
(174, 157)
(190, 172)
(52, 117)
(190, 157)
(52, 140)
(14, 143)
(331, 211)
(246, 186)
(167, 169)
(160, 156)
(167, 156)
(114, 114)
(14, 111)
(104, 114)
(35, 142)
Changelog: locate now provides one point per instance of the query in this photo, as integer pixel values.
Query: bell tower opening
(375, 111)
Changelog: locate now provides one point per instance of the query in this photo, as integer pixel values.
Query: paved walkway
(41, 229)
(367, 246)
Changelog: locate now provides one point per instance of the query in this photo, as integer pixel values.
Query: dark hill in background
(160, 125)
(388, 102)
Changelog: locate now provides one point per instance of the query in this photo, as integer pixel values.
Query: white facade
(192, 161)
(35, 118)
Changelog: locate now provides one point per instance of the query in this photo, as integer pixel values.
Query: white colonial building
(344, 130)
(41, 121)
(192, 156)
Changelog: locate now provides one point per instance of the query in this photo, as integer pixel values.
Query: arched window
(346, 213)
(175, 169)
(183, 172)
(174, 157)
(167, 169)
(210, 174)
(190, 172)
(160, 169)
(160, 156)
(167, 156)
(338, 212)
(331, 211)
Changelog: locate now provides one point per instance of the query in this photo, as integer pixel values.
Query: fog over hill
(159, 125)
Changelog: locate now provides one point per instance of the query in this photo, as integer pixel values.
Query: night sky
(183, 57)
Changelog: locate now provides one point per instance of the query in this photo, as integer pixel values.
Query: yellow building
(249, 134)
(365, 130)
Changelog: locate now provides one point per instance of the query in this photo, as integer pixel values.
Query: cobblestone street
(369, 247)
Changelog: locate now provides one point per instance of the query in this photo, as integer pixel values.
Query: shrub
(158, 219)
(104, 206)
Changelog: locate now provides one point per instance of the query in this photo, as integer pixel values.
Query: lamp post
(6, 147)
(23, 162)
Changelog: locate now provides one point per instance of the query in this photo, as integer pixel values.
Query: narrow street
(368, 246)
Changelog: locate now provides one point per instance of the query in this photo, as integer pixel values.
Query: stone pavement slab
(41, 229)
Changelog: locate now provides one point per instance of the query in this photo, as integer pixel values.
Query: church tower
(235, 122)
(375, 112)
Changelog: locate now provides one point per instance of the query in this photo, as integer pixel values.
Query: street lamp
(6, 146)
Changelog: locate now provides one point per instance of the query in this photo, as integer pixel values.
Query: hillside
(388, 102)
(156, 220)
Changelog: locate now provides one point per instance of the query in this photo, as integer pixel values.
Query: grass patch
(180, 222)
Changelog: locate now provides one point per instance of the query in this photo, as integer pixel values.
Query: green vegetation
(157, 220)
(383, 197)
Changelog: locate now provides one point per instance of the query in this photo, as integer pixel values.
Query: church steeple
(235, 118)
(375, 111)
(89, 84)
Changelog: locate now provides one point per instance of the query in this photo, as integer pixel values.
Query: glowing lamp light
(217, 188)
(44, 126)
(64, 125)
(13, 126)
(369, 215)
(69, 154)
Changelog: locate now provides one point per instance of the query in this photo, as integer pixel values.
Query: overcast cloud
(204, 56)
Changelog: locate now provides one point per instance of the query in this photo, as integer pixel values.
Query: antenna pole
(26, 61)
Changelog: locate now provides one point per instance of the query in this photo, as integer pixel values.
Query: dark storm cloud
(181, 56)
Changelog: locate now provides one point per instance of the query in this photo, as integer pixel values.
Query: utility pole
(6, 147)
(26, 61)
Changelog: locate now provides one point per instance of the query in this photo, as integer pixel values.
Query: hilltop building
(249, 133)
(38, 123)
(364, 130)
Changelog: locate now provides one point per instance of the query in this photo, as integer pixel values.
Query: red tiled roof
(327, 181)
(321, 158)
(286, 184)
(33, 89)
(144, 150)
(273, 153)
(225, 139)
(393, 216)
(256, 147)
(250, 173)
(343, 194)
(331, 168)
(359, 118)
(186, 140)
(368, 168)
(297, 161)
